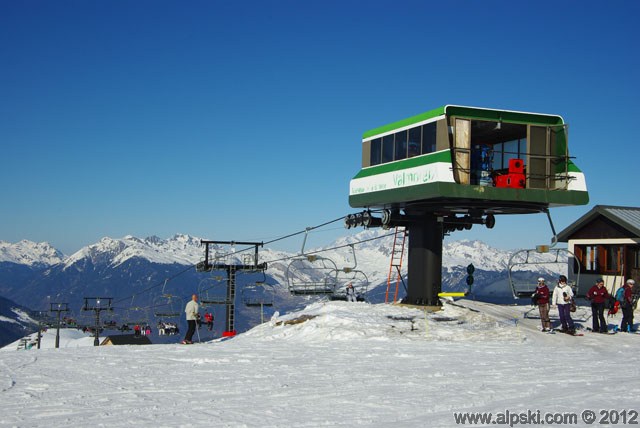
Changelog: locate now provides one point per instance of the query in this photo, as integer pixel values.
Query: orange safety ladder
(395, 267)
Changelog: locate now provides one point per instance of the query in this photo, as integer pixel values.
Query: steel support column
(425, 261)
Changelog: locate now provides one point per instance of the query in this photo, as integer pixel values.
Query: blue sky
(243, 120)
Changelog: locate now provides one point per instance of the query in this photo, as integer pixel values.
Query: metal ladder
(395, 267)
(231, 300)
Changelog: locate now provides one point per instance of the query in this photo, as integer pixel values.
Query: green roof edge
(472, 113)
(404, 122)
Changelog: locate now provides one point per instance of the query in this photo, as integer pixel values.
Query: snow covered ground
(331, 364)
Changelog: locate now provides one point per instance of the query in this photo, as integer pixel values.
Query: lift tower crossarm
(206, 266)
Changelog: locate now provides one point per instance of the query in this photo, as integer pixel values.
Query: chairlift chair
(82, 320)
(258, 295)
(135, 315)
(207, 291)
(167, 306)
(350, 275)
(538, 256)
(357, 278)
(311, 275)
(73, 319)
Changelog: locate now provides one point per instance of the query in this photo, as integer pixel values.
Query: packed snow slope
(331, 364)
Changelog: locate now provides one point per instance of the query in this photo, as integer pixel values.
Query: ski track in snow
(348, 365)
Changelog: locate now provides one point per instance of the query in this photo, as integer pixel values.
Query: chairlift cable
(156, 285)
(306, 230)
(329, 249)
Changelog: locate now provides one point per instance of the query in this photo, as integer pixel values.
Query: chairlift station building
(453, 167)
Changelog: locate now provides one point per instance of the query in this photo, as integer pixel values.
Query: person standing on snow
(541, 296)
(627, 306)
(351, 293)
(598, 294)
(562, 296)
(191, 311)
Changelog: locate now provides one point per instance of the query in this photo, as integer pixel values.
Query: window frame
(601, 262)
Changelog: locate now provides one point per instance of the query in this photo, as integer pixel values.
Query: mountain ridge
(186, 250)
(141, 272)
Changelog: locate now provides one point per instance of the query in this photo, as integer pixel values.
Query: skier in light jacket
(351, 293)
(191, 311)
(562, 296)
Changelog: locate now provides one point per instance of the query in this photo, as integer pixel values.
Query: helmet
(541, 279)
(631, 282)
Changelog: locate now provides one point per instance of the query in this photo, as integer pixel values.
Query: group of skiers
(144, 330)
(167, 328)
(563, 298)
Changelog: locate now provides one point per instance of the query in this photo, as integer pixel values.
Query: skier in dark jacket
(627, 307)
(541, 296)
(598, 295)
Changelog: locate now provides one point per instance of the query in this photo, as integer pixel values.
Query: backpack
(620, 295)
(614, 309)
(609, 302)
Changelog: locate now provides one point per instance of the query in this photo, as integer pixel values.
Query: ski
(567, 332)
(617, 330)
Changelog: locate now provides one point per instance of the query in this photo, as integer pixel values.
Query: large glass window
(600, 259)
(590, 258)
(429, 138)
(387, 148)
(401, 145)
(376, 151)
(613, 259)
(415, 141)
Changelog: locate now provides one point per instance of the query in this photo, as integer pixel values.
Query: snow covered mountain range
(372, 247)
(140, 273)
(30, 253)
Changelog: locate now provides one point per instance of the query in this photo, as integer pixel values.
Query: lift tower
(97, 304)
(57, 308)
(249, 265)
